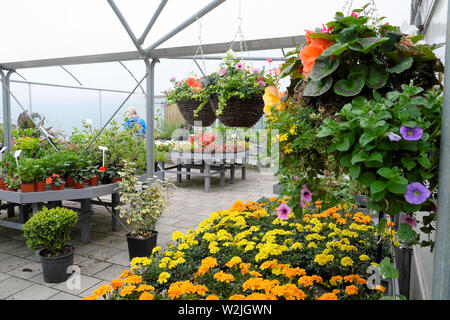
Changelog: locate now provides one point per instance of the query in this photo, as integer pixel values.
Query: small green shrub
(50, 229)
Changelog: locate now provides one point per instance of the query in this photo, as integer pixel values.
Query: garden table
(209, 164)
(36, 200)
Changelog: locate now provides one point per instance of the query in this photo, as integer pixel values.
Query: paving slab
(122, 259)
(91, 266)
(13, 285)
(110, 273)
(35, 292)
(27, 270)
(12, 263)
(64, 296)
(71, 285)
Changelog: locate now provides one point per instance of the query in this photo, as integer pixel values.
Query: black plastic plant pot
(55, 269)
(141, 247)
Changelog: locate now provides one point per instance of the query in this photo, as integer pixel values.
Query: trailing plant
(391, 146)
(50, 229)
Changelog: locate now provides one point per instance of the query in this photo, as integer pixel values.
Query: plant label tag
(17, 153)
(103, 148)
(2, 150)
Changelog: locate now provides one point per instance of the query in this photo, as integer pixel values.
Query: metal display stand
(30, 203)
(208, 164)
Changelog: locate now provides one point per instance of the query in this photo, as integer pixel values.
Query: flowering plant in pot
(49, 231)
(188, 95)
(56, 182)
(236, 92)
(41, 173)
(143, 205)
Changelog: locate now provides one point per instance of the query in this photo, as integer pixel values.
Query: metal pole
(152, 21)
(126, 26)
(150, 104)
(212, 5)
(100, 107)
(219, 58)
(7, 129)
(441, 265)
(70, 74)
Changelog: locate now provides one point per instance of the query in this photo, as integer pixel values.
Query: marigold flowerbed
(252, 252)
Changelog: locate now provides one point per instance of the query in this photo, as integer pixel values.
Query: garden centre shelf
(209, 164)
(85, 196)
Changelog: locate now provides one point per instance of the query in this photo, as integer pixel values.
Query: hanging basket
(187, 107)
(240, 113)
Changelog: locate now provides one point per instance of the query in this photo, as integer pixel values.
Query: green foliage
(143, 204)
(50, 229)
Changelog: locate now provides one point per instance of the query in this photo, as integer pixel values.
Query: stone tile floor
(106, 256)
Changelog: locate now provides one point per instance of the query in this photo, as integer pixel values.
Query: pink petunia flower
(409, 220)
(283, 212)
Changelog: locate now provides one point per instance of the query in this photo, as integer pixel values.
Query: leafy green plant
(144, 204)
(50, 229)
(12, 182)
(27, 170)
(391, 146)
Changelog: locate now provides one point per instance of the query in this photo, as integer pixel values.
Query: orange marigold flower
(223, 277)
(104, 289)
(212, 297)
(351, 290)
(126, 273)
(90, 298)
(133, 279)
(336, 280)
(127, 290)
(237, 297)
(145, 287)
(117, 283)
(146, 296)
(328, 296)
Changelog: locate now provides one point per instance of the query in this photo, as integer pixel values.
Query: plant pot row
(40, 186)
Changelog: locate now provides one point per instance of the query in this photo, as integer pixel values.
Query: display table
(33, 201)
(208, 164)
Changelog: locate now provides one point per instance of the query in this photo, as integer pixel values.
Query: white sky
(37, 29)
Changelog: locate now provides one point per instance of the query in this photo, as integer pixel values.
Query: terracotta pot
(93, 181)
(27, 187)
(10, 189)
(2, 184)
(79, 185)
(117, 180)
(55, 188)
(39, 186)
(70, 182)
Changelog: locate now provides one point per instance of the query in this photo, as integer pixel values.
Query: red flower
(49, 180)
(102, 169)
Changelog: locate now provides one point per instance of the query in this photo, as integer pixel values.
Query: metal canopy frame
(441, 272)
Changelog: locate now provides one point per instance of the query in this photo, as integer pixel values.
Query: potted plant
(95, 173)
(188, 94)
(27, 170)
(49, 231)
(40, 174)
(12, 183)
(56, 182)
(143, 205)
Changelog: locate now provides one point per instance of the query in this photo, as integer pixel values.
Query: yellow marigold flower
(163, 276)
(296, 246)
(156, 249)
(104, 289)
(233, 261)
(127, 290)
(177, 235)
(212, 297)
(272, 199)
(379, 288)
(223, 277)
(312, 245)
(323, 259)
(364, 257)
(351, 290)
(346, 261)
(146, 296)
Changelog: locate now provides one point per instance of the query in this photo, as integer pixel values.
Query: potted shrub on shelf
(12, 183)
(143, 205)
(56, 182)
(27, 170)
(49, 231)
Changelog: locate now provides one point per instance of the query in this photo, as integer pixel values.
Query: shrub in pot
(49, 231)
(143, 205)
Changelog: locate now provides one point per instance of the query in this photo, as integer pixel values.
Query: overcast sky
(36, 29)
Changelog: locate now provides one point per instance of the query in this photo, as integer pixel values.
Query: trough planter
(141, 247)
(55, 269)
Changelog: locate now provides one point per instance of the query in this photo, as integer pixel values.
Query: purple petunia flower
(394, 137)
(223, 71)
(411, 134)
(239, 65)
(409, 220)
(416, 193)
(283, 212)
(256, 70)
(305, 196)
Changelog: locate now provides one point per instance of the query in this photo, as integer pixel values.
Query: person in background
(135, 122)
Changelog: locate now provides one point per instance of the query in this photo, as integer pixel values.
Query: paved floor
(106, 256)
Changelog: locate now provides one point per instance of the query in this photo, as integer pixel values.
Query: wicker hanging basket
(187, 107)
(240, 113)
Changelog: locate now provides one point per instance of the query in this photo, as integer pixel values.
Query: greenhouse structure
(118, 178)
